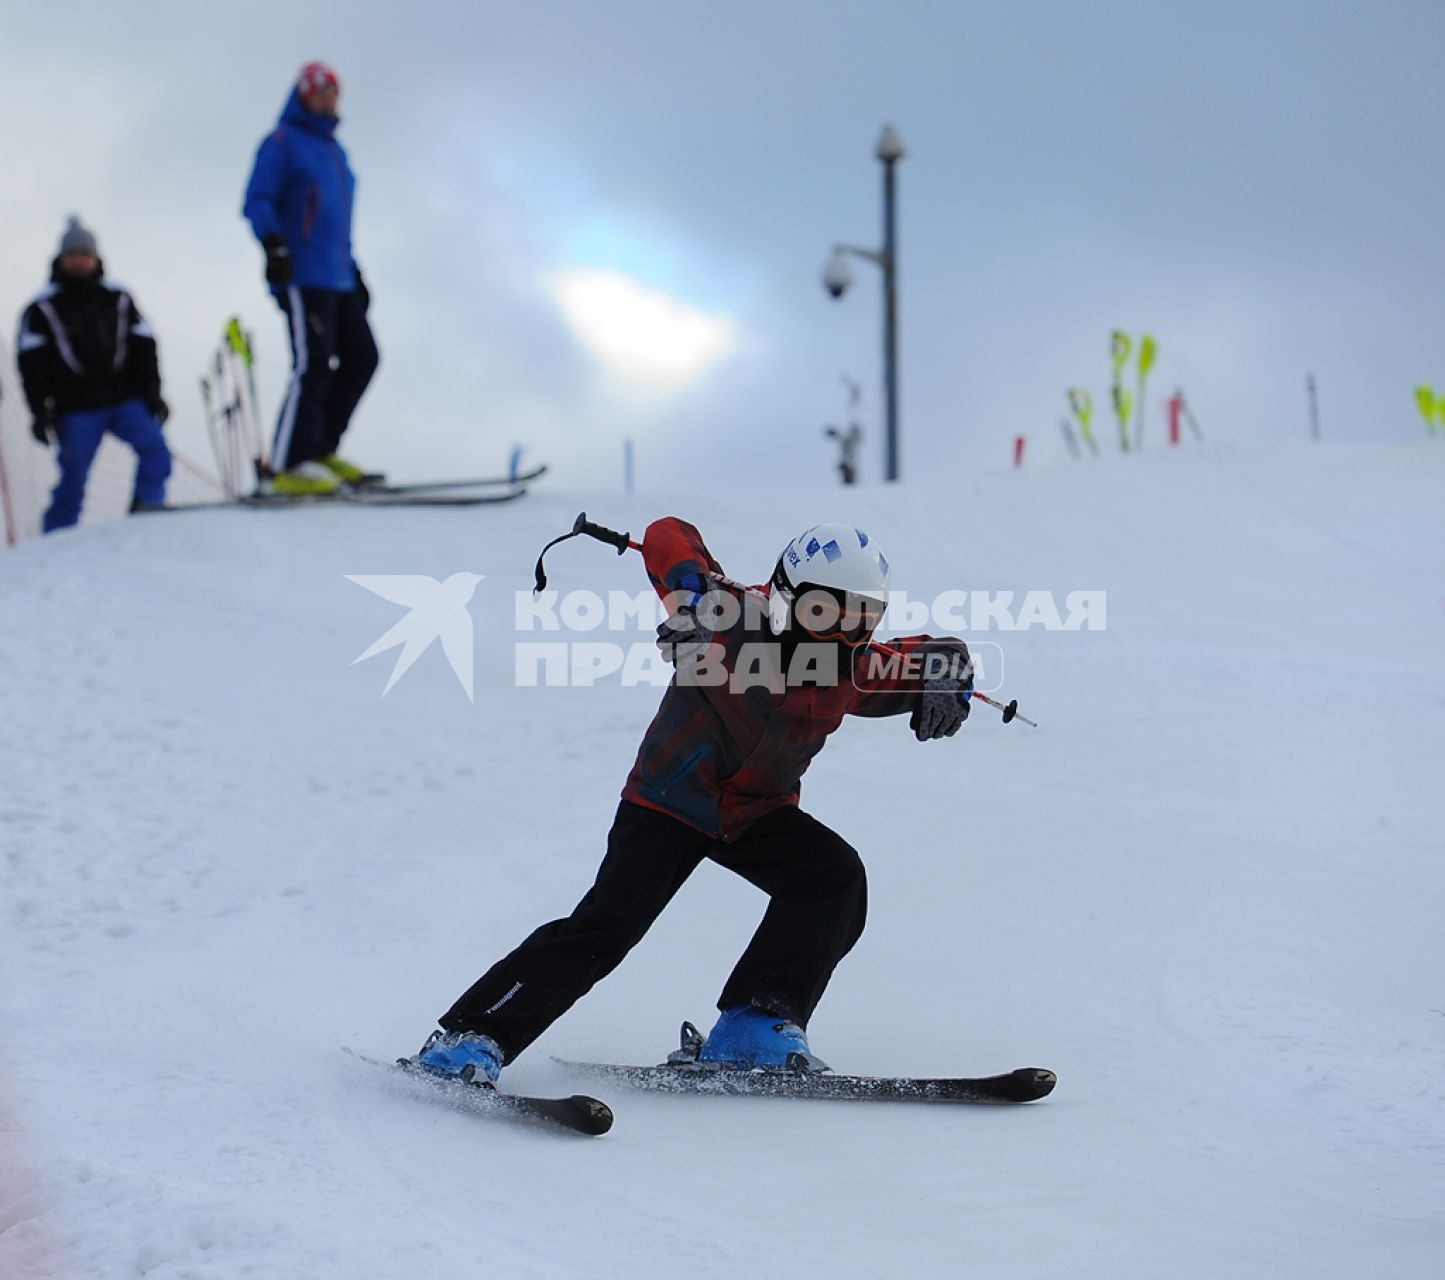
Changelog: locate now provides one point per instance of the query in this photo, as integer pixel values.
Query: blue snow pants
(80, 436)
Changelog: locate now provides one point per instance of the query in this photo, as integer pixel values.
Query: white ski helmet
(833, 582)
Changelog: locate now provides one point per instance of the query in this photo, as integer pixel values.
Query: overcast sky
(585, 221)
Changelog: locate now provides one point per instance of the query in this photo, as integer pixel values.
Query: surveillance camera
(836, 275)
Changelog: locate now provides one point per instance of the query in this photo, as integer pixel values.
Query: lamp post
(837, 277)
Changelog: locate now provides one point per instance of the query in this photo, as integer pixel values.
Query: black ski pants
(333, 356)
(818, 893)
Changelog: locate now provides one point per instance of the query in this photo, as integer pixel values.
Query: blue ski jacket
(302, 189)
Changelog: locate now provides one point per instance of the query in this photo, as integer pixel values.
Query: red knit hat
(316, 75)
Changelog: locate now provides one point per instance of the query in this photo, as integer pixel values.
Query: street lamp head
(837, 275)
(890, 146)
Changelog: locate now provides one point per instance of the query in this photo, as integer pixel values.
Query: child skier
(763, 676)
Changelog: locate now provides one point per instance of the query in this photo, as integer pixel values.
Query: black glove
(160, 410)
(363, 294)
(941, 709)
(279, 269)
(683, 638)
(43, 428)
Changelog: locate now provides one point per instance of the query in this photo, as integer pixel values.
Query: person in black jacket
(88, 362)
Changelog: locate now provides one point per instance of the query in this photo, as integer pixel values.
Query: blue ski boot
(461, 1055)
(746, 1037)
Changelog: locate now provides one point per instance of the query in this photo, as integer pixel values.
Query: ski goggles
(828, 613)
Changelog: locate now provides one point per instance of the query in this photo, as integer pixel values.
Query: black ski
(578, 1114)
(1027, 1084)
(481, 482)
(684, 1073)
(370, 498)
(358, 498)
(406, 498)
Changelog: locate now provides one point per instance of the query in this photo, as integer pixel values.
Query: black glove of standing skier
(683, 638)
(942, 707)
(43, 428)
(159, 409)
(279, 269)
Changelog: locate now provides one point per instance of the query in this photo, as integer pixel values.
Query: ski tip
(1034, 1083)
(594, 1117)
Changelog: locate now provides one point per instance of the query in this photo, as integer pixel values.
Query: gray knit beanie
(77, 239)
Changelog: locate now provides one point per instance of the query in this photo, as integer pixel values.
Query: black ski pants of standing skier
(819, 900)
(333, 357)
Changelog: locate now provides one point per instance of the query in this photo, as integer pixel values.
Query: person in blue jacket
(299, 203)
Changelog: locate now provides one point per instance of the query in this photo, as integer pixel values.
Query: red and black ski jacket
(721, 755)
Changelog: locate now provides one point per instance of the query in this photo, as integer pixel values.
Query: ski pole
(1067, 428)
(1188, 415)
(239, 343)
(1010, 709)
(227, 409)
(213, 430)
(583, 526)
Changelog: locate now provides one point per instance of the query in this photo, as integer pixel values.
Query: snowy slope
(1207, 891)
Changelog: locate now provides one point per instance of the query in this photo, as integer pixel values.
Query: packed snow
(1207, 891)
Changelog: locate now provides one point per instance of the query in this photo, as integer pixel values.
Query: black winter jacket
(84, 345)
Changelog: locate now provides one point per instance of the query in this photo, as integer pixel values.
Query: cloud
(645, 340)
(1260, 205)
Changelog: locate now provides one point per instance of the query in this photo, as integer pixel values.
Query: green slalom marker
(1431, 405)
(1123, 409)
(1148, 349)
(1120, 346)
(1081, 403)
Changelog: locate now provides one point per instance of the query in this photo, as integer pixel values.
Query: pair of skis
(685, 1073)
(228, 394)
(514, 479)
(482, 491)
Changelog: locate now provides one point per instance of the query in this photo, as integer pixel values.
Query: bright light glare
(640, 334)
